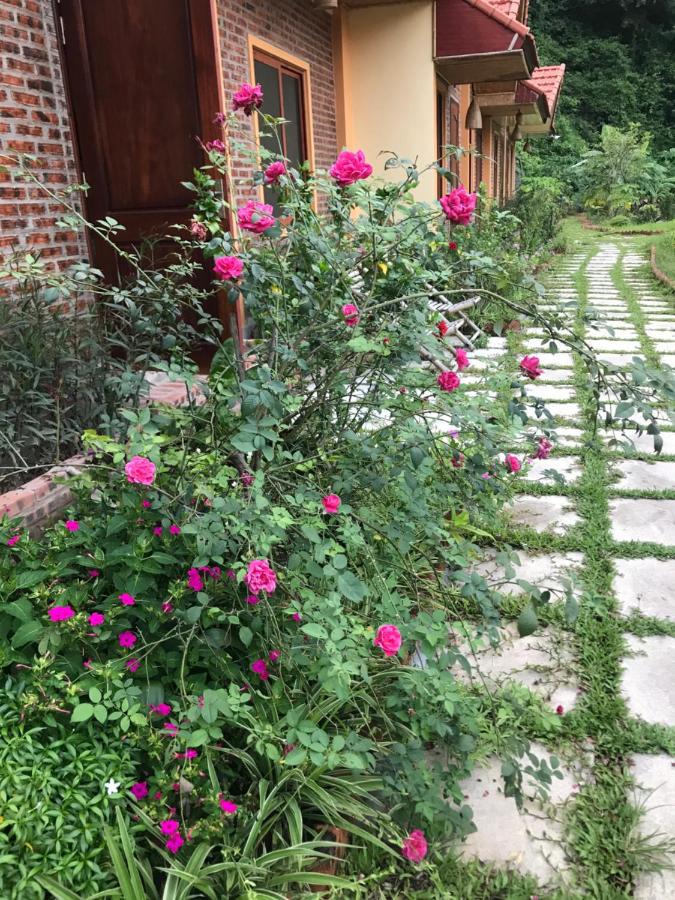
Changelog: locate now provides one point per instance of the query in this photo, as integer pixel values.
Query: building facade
(112, 93)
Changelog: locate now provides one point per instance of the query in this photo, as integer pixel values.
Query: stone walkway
(610, 524)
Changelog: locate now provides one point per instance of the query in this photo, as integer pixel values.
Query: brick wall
(296, 27)
(34, 119)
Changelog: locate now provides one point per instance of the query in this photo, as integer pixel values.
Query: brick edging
(42, 499)
(657, 272)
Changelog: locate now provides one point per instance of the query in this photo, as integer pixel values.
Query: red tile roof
(547, 80)
(492, 8)
(510, 8)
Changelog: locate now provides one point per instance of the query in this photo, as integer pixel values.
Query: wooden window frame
(259, 49)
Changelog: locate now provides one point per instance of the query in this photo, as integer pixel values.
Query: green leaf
(100, 713)
(296, 757)
(198, 738)
(315, 631)
(82, 713)
(245, 635)
(351, 587)
(27, 633)
(95, 695)
(527, 621)
(417, 456)
(30, 578)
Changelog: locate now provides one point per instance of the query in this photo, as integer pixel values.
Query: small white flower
(112, 787)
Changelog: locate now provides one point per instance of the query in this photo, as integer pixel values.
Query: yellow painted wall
(389, 85)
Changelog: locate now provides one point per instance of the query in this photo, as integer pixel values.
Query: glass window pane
(293, 112)
(268, 78)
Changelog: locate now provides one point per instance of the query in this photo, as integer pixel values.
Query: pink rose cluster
(462, 359)
(256, 217)
(248, 98)
(228, 268)
(388, 639)
(170, 828)
(459, 206)
(415, 846)
(529, 366)
(274, 171)
(196, 577)
(259, 666)
(544, 447)
(350, 167)
(351, 314)
(140, 470)
(260, 577)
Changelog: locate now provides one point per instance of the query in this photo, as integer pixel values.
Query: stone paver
(552, 513)
(643, 520)
(646, 476)
(646, 586)
(643, 443)
(655, 794)
(567, 466)
(648, 678)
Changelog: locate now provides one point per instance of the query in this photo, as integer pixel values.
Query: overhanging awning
(476, 42)
(546, 82)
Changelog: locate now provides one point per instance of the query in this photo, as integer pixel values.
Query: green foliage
(539, 204)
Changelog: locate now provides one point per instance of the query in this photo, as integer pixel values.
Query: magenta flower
(274, 655)
(253, 599)
(259, 666)
(462, 359)
(198, 229)
(171, 727)
(247, 480)
(448, 381)
(140, 470)
(146, 504)
(157, 530)
(331, 503)
(274, 171)
(256, 217)
(127, 639)
(248, 98)
(227, 806)
(415, 846)
(459, 206)
(14, 540)
(189, 754)
(61, 613)
(162, 709)
(72, 525)
(194, 580)
(529, 365)
(174, 843)
(228, 268)
(87, 663)
(512, 463)
(458, 460)
(544, 448)
(96, 618)
(169, 826)
(350, 167)
(217, 145)
(167, 607)
(133, 664)
(174, 529)
(260, 577)
(297, 617)
(127, 599)
(93, 573)
(388, 638)
(351, 314)
(139, 790)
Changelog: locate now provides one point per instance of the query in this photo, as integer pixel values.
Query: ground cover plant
(264, 602)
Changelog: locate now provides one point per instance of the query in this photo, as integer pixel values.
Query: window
(284, 90)
(476, 162)
(441, 183)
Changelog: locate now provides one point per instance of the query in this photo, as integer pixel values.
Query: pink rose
(174, 529)
(512, 463)
(72, 525)
(544, 447)
(529, 365)
(61, 613)
(259, 666)
(174, 843)
(14, 540)
(415, 846)
(351, 314)
(127, 639)
(462, 359)
(253, 599)
(448, 381)
(217, 145)
(260, 577)
(228, 268)
(458, 461)
(227, 806)
(140, 789)
(198, 229)
(274, 171)
(331, 503)
(140, 470)
(459, 206)
(194, 580)
(96, 618)
(256, 217)
(274, 655)
(133, 664)
(127, 599)
(169, 826)
(350, 167)
(388, 638)
(162, 709)
(248, 98)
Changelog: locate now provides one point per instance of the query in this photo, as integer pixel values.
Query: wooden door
(143, 85)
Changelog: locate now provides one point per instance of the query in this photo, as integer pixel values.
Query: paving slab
(611, 345)
(557, 376)
(530, 839)
(551, 513)
(646, 585)
(664, 346)
(642, 443)
(648, 678)
(541, 391)
(655, 794)
(646, 476)
(643, 520)
(567, 466)
(555, 360)
(564, 410)
(546, 571)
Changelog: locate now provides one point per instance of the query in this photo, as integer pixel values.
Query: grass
(665, 253)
